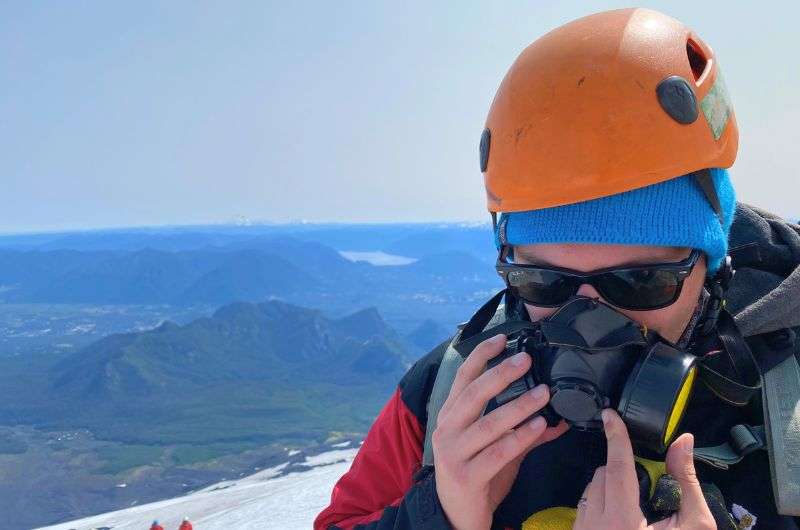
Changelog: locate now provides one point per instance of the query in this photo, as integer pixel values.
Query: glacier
(280, 497)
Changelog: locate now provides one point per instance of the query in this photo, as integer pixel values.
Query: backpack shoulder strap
(451, 362)
(780, 394)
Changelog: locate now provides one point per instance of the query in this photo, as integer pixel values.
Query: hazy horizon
(162, 114)
(251, 224)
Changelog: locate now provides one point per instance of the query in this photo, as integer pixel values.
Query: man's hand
(477, 458)
(611, 500)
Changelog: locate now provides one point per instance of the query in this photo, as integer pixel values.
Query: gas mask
(594, 357)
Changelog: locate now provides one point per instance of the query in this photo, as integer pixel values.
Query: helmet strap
(717, 286)
(705, 182)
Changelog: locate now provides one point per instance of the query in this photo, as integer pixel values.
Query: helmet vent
(483, 150)
(697, 59)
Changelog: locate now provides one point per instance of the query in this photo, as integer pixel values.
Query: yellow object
(680, 406)
(654, 469)
(558, 518)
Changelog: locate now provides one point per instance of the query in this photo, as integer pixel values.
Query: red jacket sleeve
(379, 490)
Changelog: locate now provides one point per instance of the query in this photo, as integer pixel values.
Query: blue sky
(152, 113)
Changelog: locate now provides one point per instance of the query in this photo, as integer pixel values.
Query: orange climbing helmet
(605, 104)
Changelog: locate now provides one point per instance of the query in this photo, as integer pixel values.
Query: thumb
(680, 464)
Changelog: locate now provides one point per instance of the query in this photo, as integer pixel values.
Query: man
(156, 526)
(185, 525)
(604, 152)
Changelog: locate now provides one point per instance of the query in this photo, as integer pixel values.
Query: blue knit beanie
(673, 213)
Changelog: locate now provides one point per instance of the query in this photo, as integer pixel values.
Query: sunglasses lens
(541, 287)
(639, 289)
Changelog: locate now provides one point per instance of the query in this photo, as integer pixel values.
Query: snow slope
(267, 500)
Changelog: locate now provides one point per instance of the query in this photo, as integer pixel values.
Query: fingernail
(688, 445)
(539, 392)
(497, 339)
(518, 359)
(606, 415)
(537, 423)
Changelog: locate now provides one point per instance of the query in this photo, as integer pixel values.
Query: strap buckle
(744, 439)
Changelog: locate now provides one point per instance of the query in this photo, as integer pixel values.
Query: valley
(140, 367)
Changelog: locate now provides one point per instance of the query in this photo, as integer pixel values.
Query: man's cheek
(539, 313)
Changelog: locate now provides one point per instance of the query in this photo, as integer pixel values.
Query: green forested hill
(251, 372)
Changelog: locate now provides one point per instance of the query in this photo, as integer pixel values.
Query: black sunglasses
(640, 288)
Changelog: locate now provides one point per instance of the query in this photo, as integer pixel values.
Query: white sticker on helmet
(717, 106)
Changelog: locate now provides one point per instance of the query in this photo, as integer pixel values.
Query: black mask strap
(475, 331)
(481, 318)
(717, 323)
(717, 287)
(747, 385)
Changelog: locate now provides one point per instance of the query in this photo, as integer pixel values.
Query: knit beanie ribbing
(672, 213)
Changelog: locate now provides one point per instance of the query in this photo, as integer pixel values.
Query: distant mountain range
(265, 371)
(298, 345)
(408, 239)
(251, 270)
(251, 376)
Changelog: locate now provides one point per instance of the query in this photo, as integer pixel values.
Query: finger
(475, 363)
(670, 523)
(680, 464)
(591, 504)
(472, 400)
(551, 433)
(491, 460)
(582, 508)
(621, 482)
(492, 426)
(598, 503)
(474, 366)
